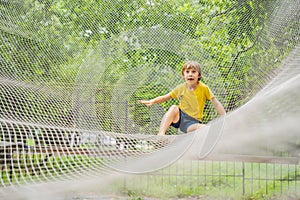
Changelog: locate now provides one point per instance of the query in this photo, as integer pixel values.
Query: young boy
(193, 95)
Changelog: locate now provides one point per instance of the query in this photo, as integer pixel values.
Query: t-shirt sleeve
(175, 93)
(209, 94)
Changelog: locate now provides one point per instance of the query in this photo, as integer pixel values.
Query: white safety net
(72, 72)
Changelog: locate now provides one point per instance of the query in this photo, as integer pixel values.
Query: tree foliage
(50, 40)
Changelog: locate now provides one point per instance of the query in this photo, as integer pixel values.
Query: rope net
(72, 73)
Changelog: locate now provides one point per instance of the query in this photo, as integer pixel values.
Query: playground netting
(72, 72)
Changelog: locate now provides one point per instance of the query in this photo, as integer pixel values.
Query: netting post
(126, 117)
(243, 177)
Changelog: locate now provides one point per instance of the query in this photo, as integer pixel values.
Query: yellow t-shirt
(192, 102)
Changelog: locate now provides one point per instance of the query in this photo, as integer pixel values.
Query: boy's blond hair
(192, 65)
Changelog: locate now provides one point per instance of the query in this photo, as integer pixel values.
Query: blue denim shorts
(185, 121)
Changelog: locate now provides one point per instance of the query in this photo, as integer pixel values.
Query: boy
(193, 95)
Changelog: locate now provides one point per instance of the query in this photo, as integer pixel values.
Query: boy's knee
(195, 127)
(174, 109)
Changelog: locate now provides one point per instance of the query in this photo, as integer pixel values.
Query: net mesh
(72, 73)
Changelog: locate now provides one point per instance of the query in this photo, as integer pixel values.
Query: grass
(210, 180)
(34, 167)
(218, 180)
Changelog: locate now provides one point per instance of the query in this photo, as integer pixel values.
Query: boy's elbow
(219, 107)
(222, 109)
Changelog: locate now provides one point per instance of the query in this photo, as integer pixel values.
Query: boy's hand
(147, 103)
(156, 100)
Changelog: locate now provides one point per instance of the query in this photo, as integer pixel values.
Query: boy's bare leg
(195, 127)
(172, 115)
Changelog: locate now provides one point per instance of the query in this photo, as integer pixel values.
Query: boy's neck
(192, 87)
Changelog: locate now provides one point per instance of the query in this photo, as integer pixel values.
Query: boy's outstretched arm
(218, 106)
(156, 100)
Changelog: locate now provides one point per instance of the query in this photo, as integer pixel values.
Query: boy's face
(191, 75)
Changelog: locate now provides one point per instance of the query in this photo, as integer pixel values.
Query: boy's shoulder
(201, 84)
